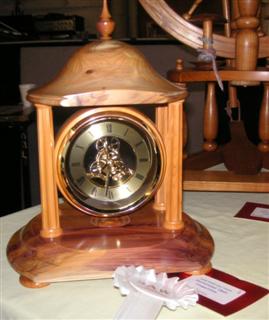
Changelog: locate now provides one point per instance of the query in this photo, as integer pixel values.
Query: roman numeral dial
(111, 164)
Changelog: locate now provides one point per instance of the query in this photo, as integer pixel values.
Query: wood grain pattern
(225, 181)
(106, 73)
(192, 75)
(85, 251)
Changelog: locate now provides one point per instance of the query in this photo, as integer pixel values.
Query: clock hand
(107, 182)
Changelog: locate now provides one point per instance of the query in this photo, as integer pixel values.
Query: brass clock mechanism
(110, 161)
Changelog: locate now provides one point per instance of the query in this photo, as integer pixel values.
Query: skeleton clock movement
(109, 161)
(117, 172)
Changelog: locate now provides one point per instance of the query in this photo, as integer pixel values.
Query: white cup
(24, 88)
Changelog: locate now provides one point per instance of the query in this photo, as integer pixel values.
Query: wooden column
(264, 120)
(48, 189)
(226, 9)
(181, 85)
(185, 135)
(210, 119)
(207, 34)
(174, 146)
(161, 119)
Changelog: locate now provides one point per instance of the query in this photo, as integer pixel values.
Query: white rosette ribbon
(147, 292)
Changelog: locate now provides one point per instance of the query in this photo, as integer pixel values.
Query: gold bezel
(83, 118)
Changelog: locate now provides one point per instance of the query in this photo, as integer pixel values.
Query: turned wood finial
(105, 25)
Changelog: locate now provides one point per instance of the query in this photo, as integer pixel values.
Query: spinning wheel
(242, 44)
(191, 35)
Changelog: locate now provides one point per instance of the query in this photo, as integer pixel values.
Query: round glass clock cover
(109, 161)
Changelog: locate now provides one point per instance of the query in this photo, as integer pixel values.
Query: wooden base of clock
(86, 251)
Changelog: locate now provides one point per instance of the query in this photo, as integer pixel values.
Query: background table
(241, 249)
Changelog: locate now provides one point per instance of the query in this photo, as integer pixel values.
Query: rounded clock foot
(206, 269)
(28, 283)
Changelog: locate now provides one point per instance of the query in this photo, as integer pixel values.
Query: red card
(248, 209)
(251, 295)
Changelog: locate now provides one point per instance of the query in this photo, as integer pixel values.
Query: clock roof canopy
(106, 72)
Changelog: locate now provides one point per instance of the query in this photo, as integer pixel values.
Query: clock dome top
(106, 72)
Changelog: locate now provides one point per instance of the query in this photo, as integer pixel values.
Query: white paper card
(214, 289)
(260, 212)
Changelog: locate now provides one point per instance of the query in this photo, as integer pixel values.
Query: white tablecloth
(241, 249)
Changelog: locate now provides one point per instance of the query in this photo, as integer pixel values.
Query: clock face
(109, 162)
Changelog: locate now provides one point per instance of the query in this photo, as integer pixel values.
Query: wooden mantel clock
(119, 173)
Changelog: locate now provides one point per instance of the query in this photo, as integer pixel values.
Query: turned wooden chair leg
(210, 118)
